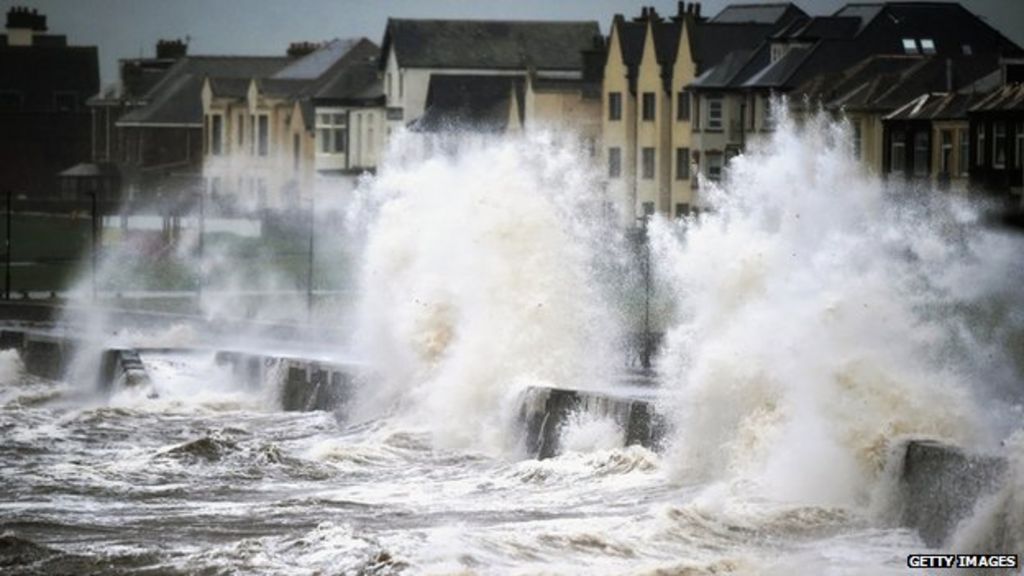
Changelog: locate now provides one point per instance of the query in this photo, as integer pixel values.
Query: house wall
(682, 191)
(649, 132)
(620, 133)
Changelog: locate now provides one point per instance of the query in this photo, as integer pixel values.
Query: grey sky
(129, 28)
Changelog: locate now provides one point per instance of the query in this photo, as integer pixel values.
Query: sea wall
(940, 485)
(545, 412)
(304, 384)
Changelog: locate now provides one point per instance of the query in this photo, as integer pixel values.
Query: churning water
(814, 318)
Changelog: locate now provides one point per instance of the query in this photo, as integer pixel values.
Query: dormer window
(927, 46)
(966, 48)
(909, 46)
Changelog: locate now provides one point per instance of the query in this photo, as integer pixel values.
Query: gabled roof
(488, 44)
(479, 103)
(176, 99)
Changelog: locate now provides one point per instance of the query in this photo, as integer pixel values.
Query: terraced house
(652, 125)
(492, 75)
(838, 60)
(270, 137)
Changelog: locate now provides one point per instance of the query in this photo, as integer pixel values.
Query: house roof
(754, 13)
(479, 103)
(318, 62)
(229, 87)
(887, 82)
(176, 99)
(936, 106)
(36, 72)
(821, 45)
(1007, 98)
(488, 44)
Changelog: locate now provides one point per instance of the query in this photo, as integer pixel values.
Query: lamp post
(645, 351)
(309, 268)
(7, 255)
(201, 249)
(95, 240)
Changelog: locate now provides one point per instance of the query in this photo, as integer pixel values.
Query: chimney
(696, 10)
(23, 24)
(299, 49)
(171, 49)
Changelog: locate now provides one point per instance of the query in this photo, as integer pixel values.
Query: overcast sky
(130, 28)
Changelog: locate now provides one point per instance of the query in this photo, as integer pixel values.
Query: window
(909, 46)
(647, 161)
(857, 139)
(965, 152)
(714, 114)
(946, 153)
(769, 115)
(682, 210)
(401, 82)
(714, 166)
(65, 101)
(388, 89)
(898, 153)
(921, 154)
(263, 146)
(966, 49)
(241, 131)
(10, 100)
(682, 106)
(927, 46)
(648, 208)
(999, 145)
(332, 132)
(614, 162)
(615, 105)
(648, 106)
(216, 134)
(682, 163)
(296, 152)
(979, 149)
(1018, 154)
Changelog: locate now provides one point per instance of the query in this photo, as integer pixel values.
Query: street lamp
(645, 351)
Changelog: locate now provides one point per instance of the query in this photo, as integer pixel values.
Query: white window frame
(715, 121)
(331, 123)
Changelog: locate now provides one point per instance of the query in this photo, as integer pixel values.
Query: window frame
(648, 163)
(614, 106)
(648, 106)
(714, 124)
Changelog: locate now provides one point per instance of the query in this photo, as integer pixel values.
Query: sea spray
(813, 322)
(479, 278)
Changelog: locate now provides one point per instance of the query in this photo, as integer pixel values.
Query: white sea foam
(817, 321)
(477, 281)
